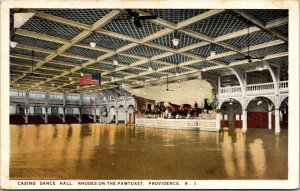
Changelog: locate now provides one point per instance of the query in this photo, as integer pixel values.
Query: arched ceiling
(61, 40)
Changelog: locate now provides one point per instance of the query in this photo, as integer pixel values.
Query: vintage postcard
(149, 94)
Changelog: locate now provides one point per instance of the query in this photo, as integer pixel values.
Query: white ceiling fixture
(81, 74)
(21, 18)
(13, 44)
(93, 44)
(150, 68)
(204, 70)
(52, 84)
(116, 62)
(259, 102)
(70, 78)
(212, 51)
(175, 40)
(112, 79)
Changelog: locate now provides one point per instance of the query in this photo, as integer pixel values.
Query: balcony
(253, 90)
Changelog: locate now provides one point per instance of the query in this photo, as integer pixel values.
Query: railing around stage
(187, 124)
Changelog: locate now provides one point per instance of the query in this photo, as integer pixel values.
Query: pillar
(46, 115)
(244, 128)
(64, 115)
(100, 115)
(218, 122)
(94, 113)
(117, 112)
(126, 112)
(277, 121)
(80, 116)
(108, 116)
(26, 115)
(270, 120)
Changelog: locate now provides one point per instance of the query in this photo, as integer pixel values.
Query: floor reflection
(119, 152)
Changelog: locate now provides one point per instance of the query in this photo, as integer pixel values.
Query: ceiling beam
(260, 24)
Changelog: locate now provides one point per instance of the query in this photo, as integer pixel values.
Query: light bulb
(112, 79)
(204, 69)
(177, 74)
(175, 41)
(70, 78)
(81, 74)
(52, 84)
(212, 53)
(230, 103)
(93, 44)
(13, 44)
(115, 62)
(150, 68)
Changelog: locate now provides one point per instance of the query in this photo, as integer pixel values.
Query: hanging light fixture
(93, 44)
(212, 51)
(52, 84)
(175, 40)
(115, 62)
(230, 102)
(150, 68)
(177, 71)
(70, 78)
(13, 44)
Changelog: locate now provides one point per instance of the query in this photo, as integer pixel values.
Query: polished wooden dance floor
(120, 152)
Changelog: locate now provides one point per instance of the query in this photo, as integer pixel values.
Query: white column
(80, 116)
(117, 117)
(218, 122)
(126, 112)
(46, 115)
(244, 128)
(94, 113)
(270, 120)
(64, 115)
(100, 115)
(277, 121)
(26, 114)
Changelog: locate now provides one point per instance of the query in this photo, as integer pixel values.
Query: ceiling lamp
(177, 74)
(18, 85)
(70, 78)
(230, 102)
(212, 51)
(52, 84)
(13, 44)
(81, 74)
(93, 44)
(112, 79)
(204, 69)
(175, 40)
(259, 102)
(150, 68)
(115, 62)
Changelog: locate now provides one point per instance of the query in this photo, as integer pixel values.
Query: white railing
(283, 87)
(264, 88)
(233, 91)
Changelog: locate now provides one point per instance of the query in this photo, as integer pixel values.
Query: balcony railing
(253, 89)
(233, 91)
(260, 89)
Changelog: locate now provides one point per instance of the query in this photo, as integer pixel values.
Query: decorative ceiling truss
(61, 40)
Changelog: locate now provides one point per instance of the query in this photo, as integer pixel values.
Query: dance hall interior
(159, 94)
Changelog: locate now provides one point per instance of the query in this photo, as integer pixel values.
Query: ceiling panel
(145, 51)
(68, 59)
(185, 40)
(219, 25)
(51, 28)
(105, 41)
(28, 52)
(85, 52)
(267, 15)
(176, 58)
(255, 38)
(87, 16)
(126, 27)
(175, 15)
(205, 50)
(201, 65)
(36, 42)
